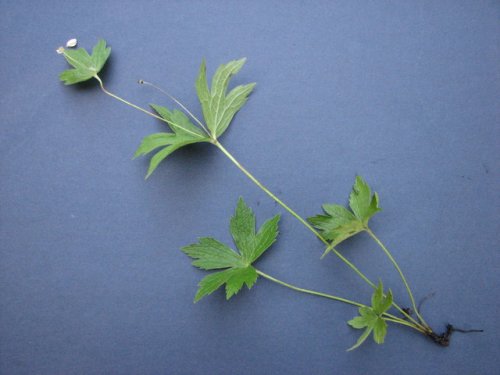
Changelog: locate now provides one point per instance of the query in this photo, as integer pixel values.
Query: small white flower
(60, 50)
(71, 43)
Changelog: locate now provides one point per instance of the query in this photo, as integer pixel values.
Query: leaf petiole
(308, 291)
(405, 323)
(255, 181)
(107, 92)
(387, 316)
(176, 101)
(268, 192)
(403, 278)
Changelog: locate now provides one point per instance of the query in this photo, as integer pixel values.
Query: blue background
(404, 93)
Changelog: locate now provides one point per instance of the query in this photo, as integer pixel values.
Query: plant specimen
(234, 269)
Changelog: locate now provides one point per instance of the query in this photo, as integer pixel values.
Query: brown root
(444, 338)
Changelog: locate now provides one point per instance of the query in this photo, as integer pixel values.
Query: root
(444, 338)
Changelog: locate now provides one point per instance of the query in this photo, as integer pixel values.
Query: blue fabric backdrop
(404, 93)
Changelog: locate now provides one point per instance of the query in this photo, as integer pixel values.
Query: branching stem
(101, 85)
(403, 278)
(411, 323)
(387, 316)
(268, 192)
(305, 223)
(176, 101)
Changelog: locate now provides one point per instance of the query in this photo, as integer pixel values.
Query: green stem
(101, 84)
(252, 178)
(141, 109)
(351, 265)
(266, 190)
(308, 291)
(174, 99)
(387, 316)
(403, 278)
(409, 317)
(368, 281)
(408, 324)
(298, 217)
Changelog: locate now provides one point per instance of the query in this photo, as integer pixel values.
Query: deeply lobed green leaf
(184, 133)
(210, 254)
(371, 318)
(339, 223)
(219, 108)
(85, 66)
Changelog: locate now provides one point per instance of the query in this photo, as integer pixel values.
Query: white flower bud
(71, 43)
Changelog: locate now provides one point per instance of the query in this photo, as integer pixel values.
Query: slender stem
(387, 316)
(368, 281)
(330, 247)
(298, 217)
(351, 265)
(405, 323)
(268, 192)
(176, 101)
(403, 278)
(101, 84)
(142, 109)
(308, 291)
(261, 186)
(409, 317)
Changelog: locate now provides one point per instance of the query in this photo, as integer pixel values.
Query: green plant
(236, 269)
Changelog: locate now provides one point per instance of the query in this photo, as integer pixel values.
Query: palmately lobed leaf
(218, 111)
(210, 254)
(85, 66)
(338, 223)
(184, 133)
(371, 318)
